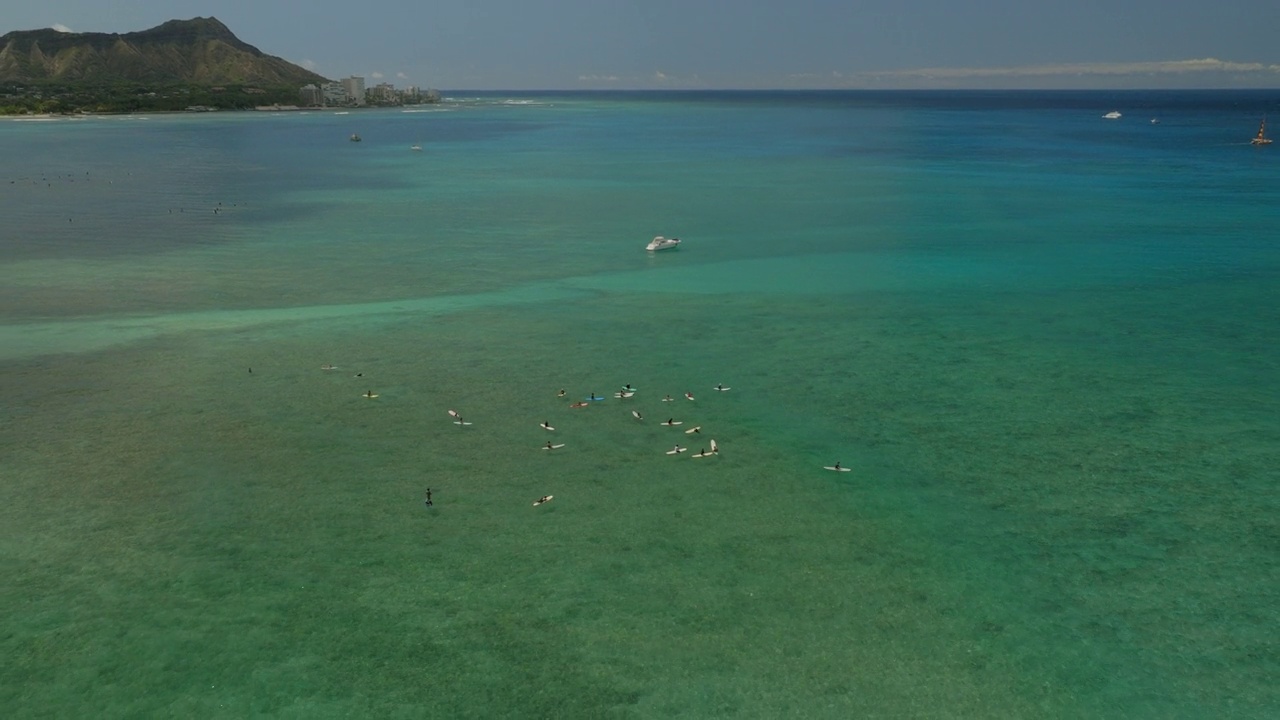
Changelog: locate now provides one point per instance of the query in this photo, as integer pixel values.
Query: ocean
(1044, 343)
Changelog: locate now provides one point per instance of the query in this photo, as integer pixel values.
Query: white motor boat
(662, 243)
(1113, 115)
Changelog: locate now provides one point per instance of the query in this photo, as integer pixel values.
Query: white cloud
(402, 76)
(1077, 69)
(598, 78)
(376, 75)
(308, 64)
(62, 28)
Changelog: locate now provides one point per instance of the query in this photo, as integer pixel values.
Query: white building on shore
(334, 94)
(354, 86)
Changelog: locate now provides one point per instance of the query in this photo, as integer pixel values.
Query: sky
(718, 44)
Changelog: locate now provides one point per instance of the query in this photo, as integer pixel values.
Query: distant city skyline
(750, 44)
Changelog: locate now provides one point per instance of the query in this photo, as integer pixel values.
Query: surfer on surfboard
(688, 396)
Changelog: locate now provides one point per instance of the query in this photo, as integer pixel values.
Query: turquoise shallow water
(1045, 342)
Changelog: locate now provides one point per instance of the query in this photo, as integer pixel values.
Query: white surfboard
(453, 413)
(623, 394)
(673, 423)
(715, 449)
(688, 396)
(370, 395)
(668, 399)
(553, 447)
(328, 367)
(837, 468)
(461, 422)
(676, 450)
(702, 454)
(722, 388)
(692, 430)
(546, 499)
(545, 426)
(635, 414)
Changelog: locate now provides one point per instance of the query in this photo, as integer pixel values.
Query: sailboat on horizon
(1262, 138)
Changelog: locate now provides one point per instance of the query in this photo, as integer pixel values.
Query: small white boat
(1113, 115)
(1261, 138)
(662, 243)
(355, 137)
(416, 148)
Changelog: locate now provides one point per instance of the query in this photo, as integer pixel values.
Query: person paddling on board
(561, 393)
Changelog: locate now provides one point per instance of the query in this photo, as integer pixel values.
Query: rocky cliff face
(199, 51)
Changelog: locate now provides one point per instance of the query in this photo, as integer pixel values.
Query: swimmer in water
(428, 500)
(560, 394)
